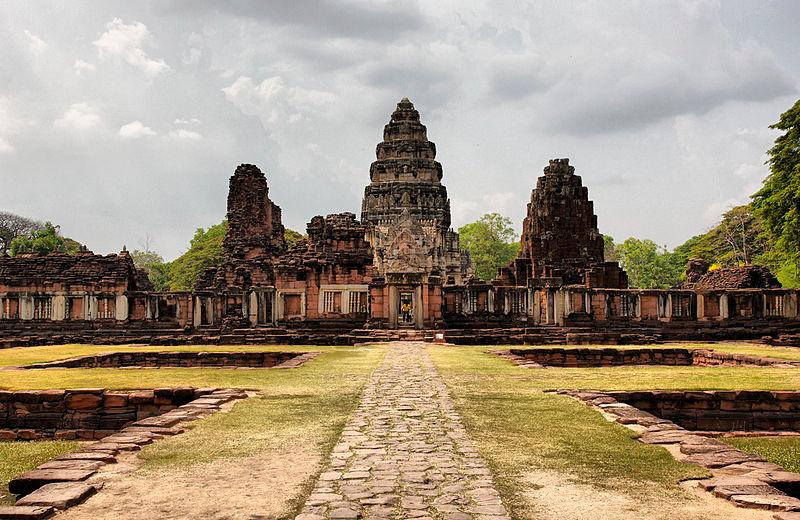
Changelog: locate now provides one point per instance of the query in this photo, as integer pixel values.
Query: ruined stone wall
(85, 413)
(255, 234)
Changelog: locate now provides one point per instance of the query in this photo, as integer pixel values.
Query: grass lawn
(519, 429)
(784, 451)
(16, 457)
(28, 355)
(299, 409)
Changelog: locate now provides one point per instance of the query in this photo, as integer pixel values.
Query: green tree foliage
(610, 249)
(43, 241)
(491, 242)
(12, 226)
(292, 237)
(738, 239)
(205, 250)
(649, 265)
(153, 264)
(777, 203)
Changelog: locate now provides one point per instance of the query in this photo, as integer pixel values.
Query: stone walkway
(405, 453)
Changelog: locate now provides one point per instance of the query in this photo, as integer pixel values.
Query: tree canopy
(491, 242)
(12, 226)
(777, 203)
(205, 251)
(43, 241)
(649, 265)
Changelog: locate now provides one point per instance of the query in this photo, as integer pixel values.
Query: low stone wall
(610, 357)
(175, 359)
(91, 413)
(605, 357)
(719, 411)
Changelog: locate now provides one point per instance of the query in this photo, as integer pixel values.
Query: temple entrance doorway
(405, 311)
(405, 306)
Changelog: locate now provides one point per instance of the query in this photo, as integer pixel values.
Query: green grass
(300, 409)
(28, 355)
(17, 457)
(784, 451)
(518, 428)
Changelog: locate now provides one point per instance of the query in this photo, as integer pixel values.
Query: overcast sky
(123, 120)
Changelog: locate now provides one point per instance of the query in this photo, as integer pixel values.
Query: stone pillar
(121, 308)
(59, 311)
(91, 302)
(253, 308)
(558, 307)
(724, 309)
(26, 307)
(701, 307)
(393, 303)
(790, 305)
(197, 319)
(490, 300)
(418, 320)
(668, 307)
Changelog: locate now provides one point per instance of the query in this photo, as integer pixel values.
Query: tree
(649, 265)
(205, 251)
(610, 249)
(292, 237)
(44, 241)
(777, 203)
(153, 264)
(491, 242)
(12, 226)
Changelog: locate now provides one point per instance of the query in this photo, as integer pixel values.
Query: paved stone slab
(26, 512)
(405, 453)
(88, 455)
(59, 495)
(32, 480)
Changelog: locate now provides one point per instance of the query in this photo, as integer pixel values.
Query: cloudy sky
(124, 120)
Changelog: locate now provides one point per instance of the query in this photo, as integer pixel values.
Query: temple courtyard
(400, 430)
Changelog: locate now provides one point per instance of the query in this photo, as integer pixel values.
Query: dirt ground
(258, 487)
(558, 497)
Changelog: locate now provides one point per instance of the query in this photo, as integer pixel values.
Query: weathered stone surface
(405, 453)
(34, 479)
(770, 502)
(59, 495)
(26, 512)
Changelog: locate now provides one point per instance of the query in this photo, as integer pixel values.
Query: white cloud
(273, 100)
(192, 121)
(192, 56)
(126, 42)
(135, 130)
(182, 133)
(5, 146)
(79, 116)
(81, 66)
(36, 44)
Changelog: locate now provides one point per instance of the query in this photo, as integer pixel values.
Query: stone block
(26, 512)
(59, 495)
(34, 479)
(83, 401)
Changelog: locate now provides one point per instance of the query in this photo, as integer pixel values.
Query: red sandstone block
(141, 397)
(59, 495)
(34, 479)
(115, 401)
(83, 401)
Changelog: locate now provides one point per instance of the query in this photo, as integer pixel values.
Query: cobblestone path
(404, 453)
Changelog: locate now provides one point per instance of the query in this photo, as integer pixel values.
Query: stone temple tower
(407, 204)
(559, 235)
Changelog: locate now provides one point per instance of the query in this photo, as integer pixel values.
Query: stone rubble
(405, 453)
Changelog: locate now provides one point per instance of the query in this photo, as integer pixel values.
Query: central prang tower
(407, 204)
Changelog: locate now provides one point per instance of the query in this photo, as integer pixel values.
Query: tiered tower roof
(406, 175)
